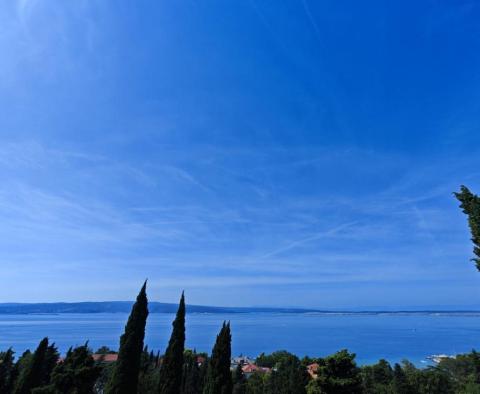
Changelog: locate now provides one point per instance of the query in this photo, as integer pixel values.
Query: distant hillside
(125, 306)
(161, 307)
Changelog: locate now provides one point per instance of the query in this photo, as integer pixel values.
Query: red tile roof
(106, 358)
(312, 369)
(251, 368)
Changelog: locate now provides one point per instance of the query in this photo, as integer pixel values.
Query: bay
(371, 336)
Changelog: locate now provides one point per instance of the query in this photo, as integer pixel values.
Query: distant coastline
(160, 307)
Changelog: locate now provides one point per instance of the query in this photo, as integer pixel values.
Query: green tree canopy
(288, 376)
(239, 381)
(193, 373)
(378, 378)
(339, 374)
(77, 374)
(8, 372)
(37, 370)
(256, 383)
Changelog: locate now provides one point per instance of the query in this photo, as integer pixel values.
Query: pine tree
(170, 381)
(124, 379)
(219, 378)
(32, 375)
(470, 204)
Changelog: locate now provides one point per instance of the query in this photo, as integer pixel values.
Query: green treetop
(339, 374)
(77, 374)
(38, 369)
(470, 204)
(7, 371)
(170, 380)
(219, 378)
(124, 379)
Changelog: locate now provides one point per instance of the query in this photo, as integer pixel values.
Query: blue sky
(298, 153)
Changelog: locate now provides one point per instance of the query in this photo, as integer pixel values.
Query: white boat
(436, 358)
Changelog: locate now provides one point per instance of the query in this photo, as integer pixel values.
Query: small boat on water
(436, 358)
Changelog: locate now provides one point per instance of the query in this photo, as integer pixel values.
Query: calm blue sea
(371, 337)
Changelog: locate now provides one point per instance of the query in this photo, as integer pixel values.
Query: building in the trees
(312, 370)
(105, 358)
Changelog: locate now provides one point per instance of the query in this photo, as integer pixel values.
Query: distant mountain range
(125, 306)
(161, 307)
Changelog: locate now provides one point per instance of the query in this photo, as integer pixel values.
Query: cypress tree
(470, 204)
(219, 377)
(124, 379)
(170, 381)
(33, 373)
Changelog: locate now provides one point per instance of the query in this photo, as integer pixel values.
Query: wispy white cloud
(202, 241)
(270, 164)
(300, 242)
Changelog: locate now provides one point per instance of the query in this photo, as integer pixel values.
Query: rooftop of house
(106, 358)
(251, 368)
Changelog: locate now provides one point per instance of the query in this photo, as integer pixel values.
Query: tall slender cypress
(170, 380)
(219, 377)
(31, 376)
(124, 379)
(470, 204)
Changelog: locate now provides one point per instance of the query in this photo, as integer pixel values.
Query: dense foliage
(338, 374)
(239, 381)
(78, 373)
(194, 371)
(36, 371)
